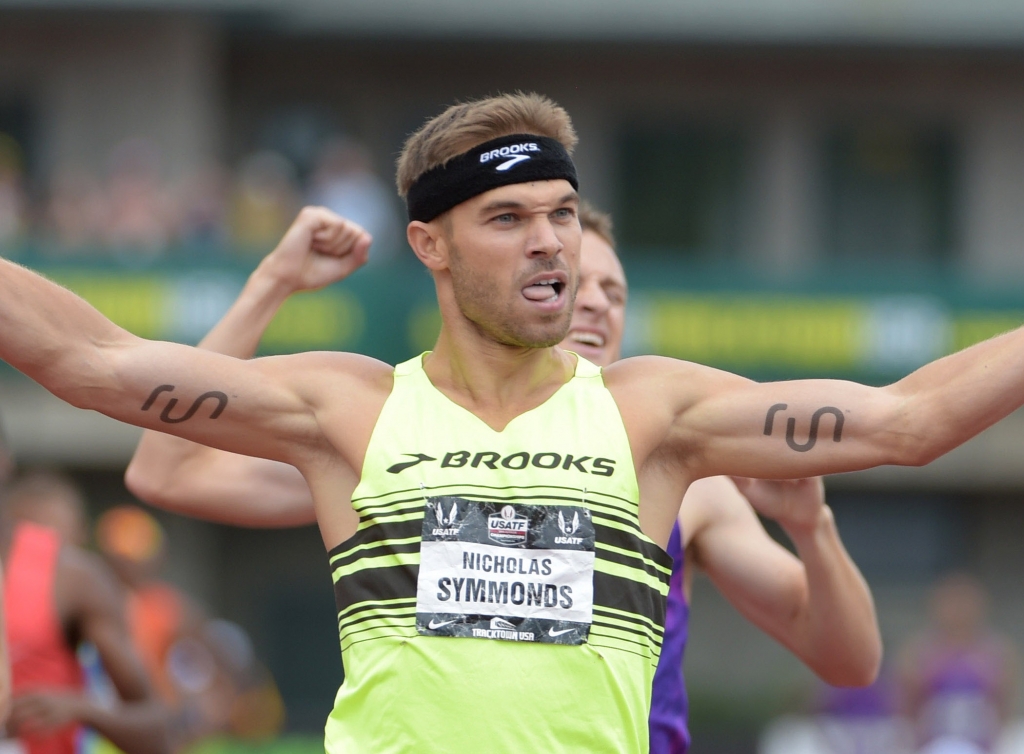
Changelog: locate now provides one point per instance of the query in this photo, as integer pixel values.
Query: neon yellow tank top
(498, 595)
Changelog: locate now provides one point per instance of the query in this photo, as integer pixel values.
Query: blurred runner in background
(959, 677)
(56, 596)
(6, 458)
(6, 469)
(818, 607)
(205, 671)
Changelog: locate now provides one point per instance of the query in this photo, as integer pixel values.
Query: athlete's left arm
(818, 605)
(719, 423)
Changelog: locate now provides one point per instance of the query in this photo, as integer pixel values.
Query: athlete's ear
(428, 244)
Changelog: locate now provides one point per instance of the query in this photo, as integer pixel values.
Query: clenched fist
(319, 248)
(794, 504)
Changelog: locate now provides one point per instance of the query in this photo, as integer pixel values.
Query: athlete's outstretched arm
(196, 480)
(264, 407)
(818, 605)
(719, 423)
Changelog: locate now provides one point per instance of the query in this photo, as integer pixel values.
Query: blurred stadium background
(800, 188)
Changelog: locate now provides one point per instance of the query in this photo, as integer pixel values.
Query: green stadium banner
(874, 329)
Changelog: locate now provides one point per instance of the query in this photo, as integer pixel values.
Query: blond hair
(598, 222)
(468, 124)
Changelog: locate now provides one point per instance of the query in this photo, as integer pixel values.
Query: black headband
(519, 158)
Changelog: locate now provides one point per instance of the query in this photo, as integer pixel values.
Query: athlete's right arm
(265, 407)
(203, 482)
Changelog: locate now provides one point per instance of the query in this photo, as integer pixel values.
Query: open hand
(319, 248)
(43, 711)
(793, 503)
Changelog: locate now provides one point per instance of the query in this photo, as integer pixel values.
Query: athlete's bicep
(790, 430)
(215, 485)
(256, 407)
(265, 407)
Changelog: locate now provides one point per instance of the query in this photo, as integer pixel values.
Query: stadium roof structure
(884, 22)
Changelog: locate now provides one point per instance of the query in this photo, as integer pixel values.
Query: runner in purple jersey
(959, 678)
(669, 704)
(819, 608)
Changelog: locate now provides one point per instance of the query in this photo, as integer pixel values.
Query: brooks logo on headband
(513, 149)
(489, 166)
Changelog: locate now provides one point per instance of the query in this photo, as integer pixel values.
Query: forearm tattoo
(165, 415)
(812, 435)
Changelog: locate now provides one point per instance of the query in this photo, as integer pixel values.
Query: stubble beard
(475, 297)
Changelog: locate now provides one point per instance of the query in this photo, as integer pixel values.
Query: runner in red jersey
(55, 596)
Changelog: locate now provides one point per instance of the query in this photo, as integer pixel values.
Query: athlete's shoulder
(334, 367)
(657, 379)
(645, 369)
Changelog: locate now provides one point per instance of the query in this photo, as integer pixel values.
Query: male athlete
(820, 608)
(499, 488)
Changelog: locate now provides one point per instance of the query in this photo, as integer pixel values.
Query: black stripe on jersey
(346, 624)
(379, 532)
(629, 596)
(401, 604)
(597, 642)
(376, 549)
(410, 503)
(349, 635)
(376, 585)
(575, 497)
(633, 636)
(637, 547)
(576, 491)
(601, 612)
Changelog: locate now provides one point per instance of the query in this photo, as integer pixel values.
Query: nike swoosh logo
(553, 633)
(512, 162)
(434, 624)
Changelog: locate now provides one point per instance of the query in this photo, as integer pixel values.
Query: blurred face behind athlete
(507, 263)
(599, 314)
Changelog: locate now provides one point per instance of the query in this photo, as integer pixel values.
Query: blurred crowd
(132, 212)
(197, 679)
(952, 690)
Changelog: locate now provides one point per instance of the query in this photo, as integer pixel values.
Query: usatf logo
(568, 528)
(489, 459)
(446, 526)
(506, 528)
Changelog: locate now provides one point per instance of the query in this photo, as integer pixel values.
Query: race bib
(509, 572)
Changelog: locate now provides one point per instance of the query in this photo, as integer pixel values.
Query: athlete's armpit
(221, 402)
(812, 435)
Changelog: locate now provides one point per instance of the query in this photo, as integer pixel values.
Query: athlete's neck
(494, 381)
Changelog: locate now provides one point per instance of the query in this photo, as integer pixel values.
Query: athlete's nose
(543, 240)
(591, 296)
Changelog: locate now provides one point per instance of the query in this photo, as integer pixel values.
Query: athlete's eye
(615, 295)
(565, 213)
(506, 218)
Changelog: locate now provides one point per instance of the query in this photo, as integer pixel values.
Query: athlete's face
(599, 316)
(513, 261)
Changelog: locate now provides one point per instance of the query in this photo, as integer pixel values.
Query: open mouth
(585, 338)
(546, 290)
